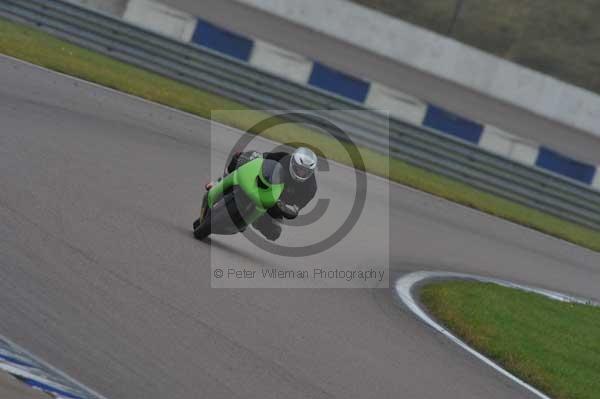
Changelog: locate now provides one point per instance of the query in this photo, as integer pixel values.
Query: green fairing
(245, 177)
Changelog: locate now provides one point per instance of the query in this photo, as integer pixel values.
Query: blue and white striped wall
(182, 26)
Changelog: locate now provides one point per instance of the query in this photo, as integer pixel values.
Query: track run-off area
(102, 278)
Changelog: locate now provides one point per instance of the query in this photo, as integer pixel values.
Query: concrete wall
(443, 57)
(159, 18)
(112, 7)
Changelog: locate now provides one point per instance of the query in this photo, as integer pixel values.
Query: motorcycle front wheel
(202, 228)
(202, 225)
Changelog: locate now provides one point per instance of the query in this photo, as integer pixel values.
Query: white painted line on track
(404, 289)
(42, 372)
(19, 371)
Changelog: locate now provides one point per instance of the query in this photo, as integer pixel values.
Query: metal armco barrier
(222, 75)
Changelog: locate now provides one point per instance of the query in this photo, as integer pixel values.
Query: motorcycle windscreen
(273, 172)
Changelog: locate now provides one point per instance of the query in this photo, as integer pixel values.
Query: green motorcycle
(241, 197)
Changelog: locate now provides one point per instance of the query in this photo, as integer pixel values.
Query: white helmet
(303, 164)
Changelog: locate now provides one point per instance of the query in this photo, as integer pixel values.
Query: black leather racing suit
(297, 194)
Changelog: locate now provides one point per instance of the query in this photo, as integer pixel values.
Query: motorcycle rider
(300, 186)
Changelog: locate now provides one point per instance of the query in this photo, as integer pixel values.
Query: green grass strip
(554, 346)
(37, 47)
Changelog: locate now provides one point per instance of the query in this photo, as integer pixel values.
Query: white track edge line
(53, 369)
(403, 288)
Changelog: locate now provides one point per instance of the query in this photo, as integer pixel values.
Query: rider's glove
(287, 210)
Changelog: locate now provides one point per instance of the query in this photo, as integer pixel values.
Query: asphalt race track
(102, 277)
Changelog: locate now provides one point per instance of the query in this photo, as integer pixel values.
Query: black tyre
(202, 229)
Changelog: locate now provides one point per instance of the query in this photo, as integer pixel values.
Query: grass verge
(37, 47)
(553, 345)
